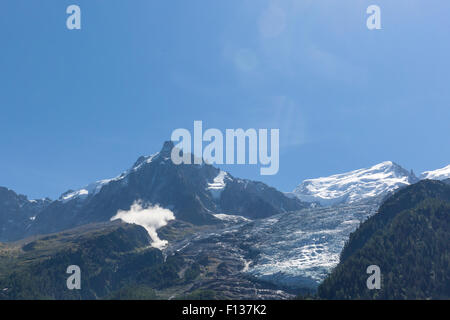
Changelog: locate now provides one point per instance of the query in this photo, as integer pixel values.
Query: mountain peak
(387, 165)
(167, 147)
(439, 174)
(95, 187)
(355, 185)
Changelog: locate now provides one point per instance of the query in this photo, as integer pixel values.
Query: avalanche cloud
(151, 218)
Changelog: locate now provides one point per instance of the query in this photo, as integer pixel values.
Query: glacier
(355, 185)
(439, 174)
(293, 250)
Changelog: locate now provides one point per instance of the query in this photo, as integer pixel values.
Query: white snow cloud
(151, 218)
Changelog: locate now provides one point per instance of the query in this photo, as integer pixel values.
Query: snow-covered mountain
(198, 194)
(439, 174)
(357, 185)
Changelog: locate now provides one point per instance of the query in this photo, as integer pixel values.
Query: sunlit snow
(355, 185)
(439, 174)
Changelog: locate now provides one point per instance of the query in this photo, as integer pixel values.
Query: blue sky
(78, 106)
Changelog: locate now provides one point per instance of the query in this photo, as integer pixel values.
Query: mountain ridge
(195, 193)
(198, 194)
(373, 182)
(17, 212)
(355, 185)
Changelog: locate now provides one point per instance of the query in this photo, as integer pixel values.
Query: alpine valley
(166, 231)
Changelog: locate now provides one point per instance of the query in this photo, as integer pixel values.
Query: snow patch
(231, 218)
(439, 174)
(218, 185)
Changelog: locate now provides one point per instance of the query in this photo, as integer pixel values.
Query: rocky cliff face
(17, 213)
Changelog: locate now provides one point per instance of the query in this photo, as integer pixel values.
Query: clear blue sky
(78, 106)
